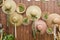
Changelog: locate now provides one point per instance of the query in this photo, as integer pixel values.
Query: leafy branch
(34, 32)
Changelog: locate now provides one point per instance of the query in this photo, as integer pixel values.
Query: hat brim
(50, 19)
(19, 17)
(36, 9)
(13, 7)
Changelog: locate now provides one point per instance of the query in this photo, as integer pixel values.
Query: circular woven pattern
(53, 19)
(34, 11)
(41, 26)
(9, 6)
(16, 19)
(21, 8)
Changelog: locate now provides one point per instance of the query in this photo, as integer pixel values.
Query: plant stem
(8, 19)
(33, 32)
(8, 23)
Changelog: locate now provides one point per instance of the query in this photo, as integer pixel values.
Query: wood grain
(25, 32)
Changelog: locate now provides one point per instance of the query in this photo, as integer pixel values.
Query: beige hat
(1, 2)
(33, 12)
(41, 26)
(53, 18)
(9, 6)
(16, 19)
(21, 8)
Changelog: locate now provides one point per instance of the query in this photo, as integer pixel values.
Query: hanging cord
(55, 31)
(59, 33)
(15, 31)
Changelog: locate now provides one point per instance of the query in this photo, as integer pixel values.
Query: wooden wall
(25, 32)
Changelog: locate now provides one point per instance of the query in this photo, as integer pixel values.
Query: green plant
(25, 20)
(8, 37)
(33, 17)
(34, 31)
(21, 8)
(45, 16)
(49, 30)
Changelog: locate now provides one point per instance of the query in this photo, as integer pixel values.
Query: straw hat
(9, 6)
(33, 11)
(20, 8)
(41, 26)
(16, 19)
(1, 2)
(53, 19)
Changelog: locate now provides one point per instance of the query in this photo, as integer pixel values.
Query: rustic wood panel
(25, 32)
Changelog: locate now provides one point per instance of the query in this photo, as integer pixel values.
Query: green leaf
(34, 32)
(46, 16)
(21, 8)
(25, 20)
(8, 37)
(49, 30)
(33, 16)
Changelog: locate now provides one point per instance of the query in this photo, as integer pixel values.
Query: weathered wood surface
(25, 32)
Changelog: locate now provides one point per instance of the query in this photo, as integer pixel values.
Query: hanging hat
(41, 26)
(33, 12)
(16, 19)
(1, 2)
(53, 19)
(21, 8)
(9, 6)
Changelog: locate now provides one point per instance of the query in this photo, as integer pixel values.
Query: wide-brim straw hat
(19, 19)
(34, 10)
(41, 26)
(23, 5)
(53, 19)
(10, 3)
